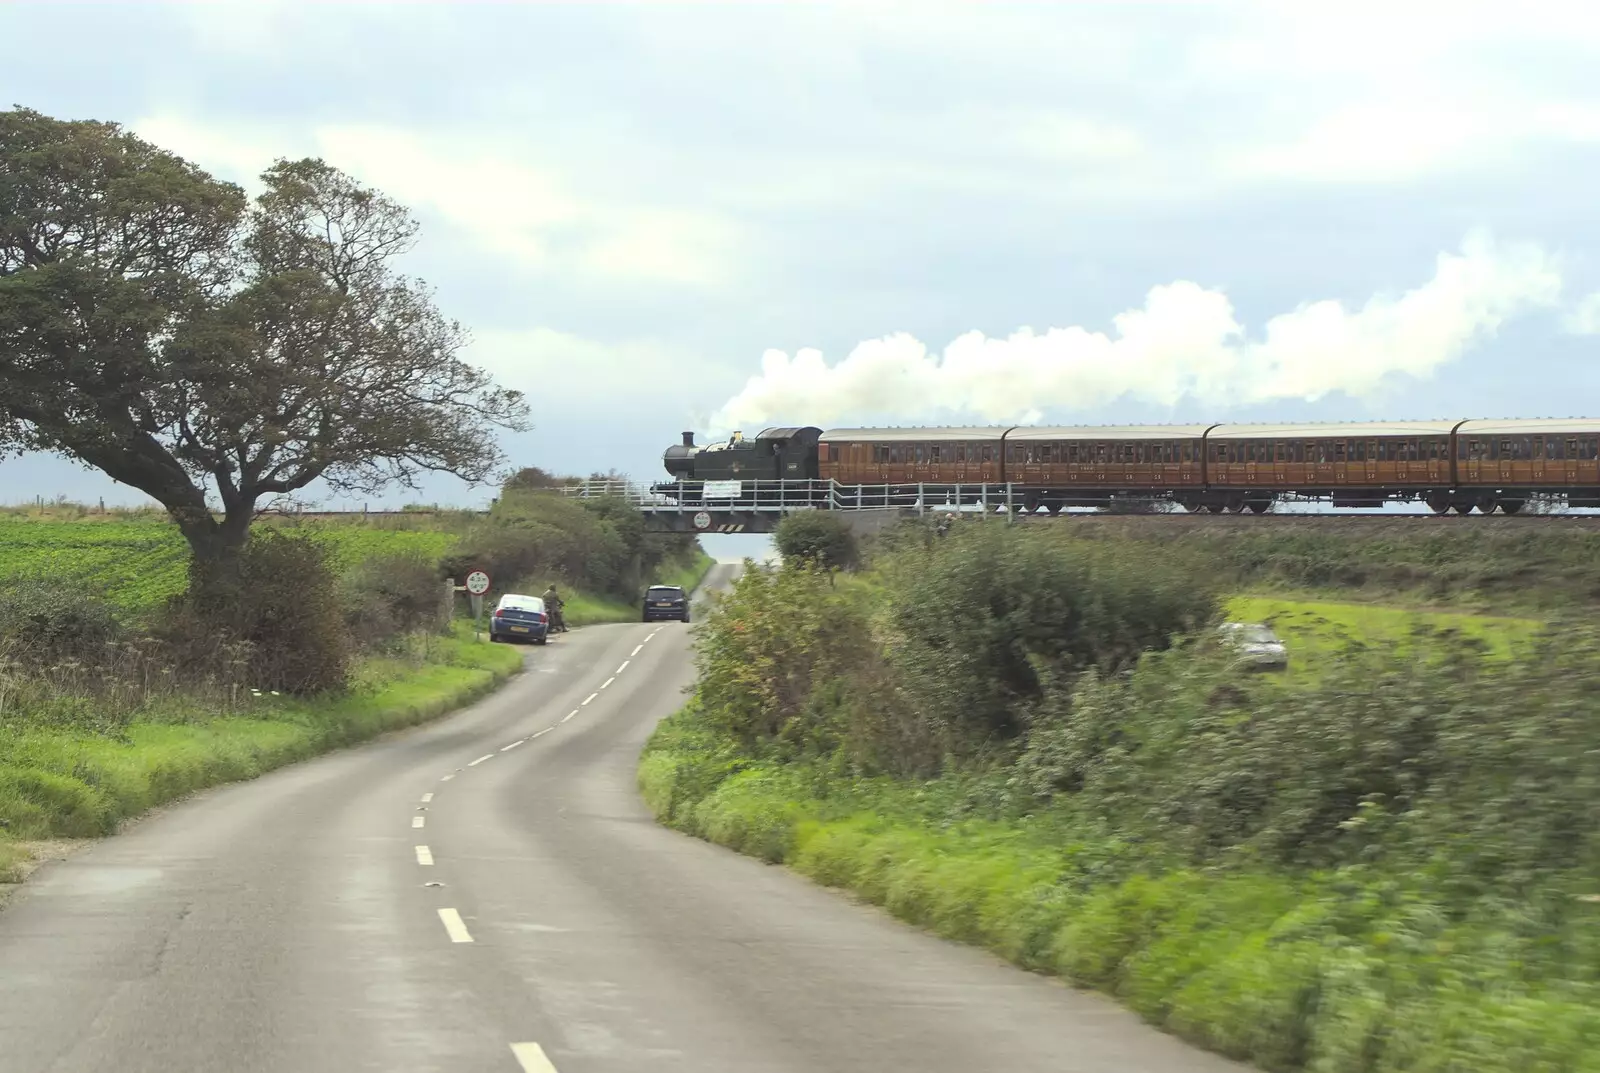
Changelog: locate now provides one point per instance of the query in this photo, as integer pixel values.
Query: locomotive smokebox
(679, 460)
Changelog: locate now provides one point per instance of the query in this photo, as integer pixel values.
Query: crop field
(1317, 631)
(139, 563)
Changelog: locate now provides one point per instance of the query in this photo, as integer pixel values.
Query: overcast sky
(656, 218)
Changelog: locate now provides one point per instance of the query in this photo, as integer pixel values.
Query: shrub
(983, 620)
(391, 595)
(42, 622)
(283, 606)
(817, 536)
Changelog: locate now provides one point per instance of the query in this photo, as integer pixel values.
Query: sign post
(477, 585)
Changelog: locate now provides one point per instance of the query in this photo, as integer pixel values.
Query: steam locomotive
(1459, 465)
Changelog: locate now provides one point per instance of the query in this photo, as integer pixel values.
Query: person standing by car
(553, 604)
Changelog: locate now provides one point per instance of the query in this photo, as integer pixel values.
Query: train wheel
(1439, 504)
(1259, 506)
(1487, 505)
(1512, 506)
(1215, 508)
(1462, 508)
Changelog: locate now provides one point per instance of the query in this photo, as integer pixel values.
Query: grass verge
(1339, 971)
(58, 783)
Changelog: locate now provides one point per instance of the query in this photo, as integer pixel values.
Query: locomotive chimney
(688, 439)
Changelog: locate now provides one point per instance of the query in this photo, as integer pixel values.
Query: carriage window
(933, 453)
(880, 452)
(833, 452)
(1358, 451)
(988, 452)
(1591, 448)
(1552, 449)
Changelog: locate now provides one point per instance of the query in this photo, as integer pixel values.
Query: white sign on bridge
(723, 489)
(477, 583)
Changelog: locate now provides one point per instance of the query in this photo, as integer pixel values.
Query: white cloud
(1584, 318)
(1184, 342)
(506, 201)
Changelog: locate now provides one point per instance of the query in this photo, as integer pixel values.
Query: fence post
(1011, 514)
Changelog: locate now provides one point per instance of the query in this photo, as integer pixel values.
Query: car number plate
(663, 603)
(519, 629)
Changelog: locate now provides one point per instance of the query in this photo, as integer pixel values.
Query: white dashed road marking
(636, 650)
(425, 856)
(587, 699)
(624, 665)
(608, 681)
(418, 821)
(455, 926)
(426, 798)
(532, 1058)
(569, 715)
(541, 733)
(447, 778)
(513, 745)
(481, 759)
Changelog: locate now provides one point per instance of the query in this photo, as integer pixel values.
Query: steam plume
(1184, 342)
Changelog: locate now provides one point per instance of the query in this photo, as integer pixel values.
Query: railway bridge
(758, 506)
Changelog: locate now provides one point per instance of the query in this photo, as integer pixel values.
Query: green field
(140, 563)
(1317, 632)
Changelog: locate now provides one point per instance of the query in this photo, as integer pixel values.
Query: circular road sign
(477, 583)
(702, 520)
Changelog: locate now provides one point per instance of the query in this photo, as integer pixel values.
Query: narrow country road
(489, 894)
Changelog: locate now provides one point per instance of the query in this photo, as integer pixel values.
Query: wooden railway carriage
(1502, 461)
(1356, 464)
(1088, 465)
(907, 457)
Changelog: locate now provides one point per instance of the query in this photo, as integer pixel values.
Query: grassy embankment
(66, 783)
(1383, 860)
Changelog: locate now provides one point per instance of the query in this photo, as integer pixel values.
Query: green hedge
(74, 784)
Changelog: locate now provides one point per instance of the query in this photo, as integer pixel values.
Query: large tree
(157, 326)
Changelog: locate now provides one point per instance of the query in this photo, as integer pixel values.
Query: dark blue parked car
(520, 618)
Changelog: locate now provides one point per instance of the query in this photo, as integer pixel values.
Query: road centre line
(541, 733)
(624, 665)
(587, 699)
(418, 821)
(425, 856)
(636, 650)
(426, 798)
(454, 926)
(481, 759)
(569, 715)
(513, 745)
(532, 1058)
(608, 681)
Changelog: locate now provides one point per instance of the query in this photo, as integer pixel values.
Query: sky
(656, 218)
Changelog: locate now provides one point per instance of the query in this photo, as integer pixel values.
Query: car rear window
(663, 593)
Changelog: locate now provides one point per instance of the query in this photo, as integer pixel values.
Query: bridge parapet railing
(782, 497)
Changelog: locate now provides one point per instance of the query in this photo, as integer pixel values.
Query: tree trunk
(214, 551)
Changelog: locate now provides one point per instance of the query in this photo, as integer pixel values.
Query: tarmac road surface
(488, 893)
